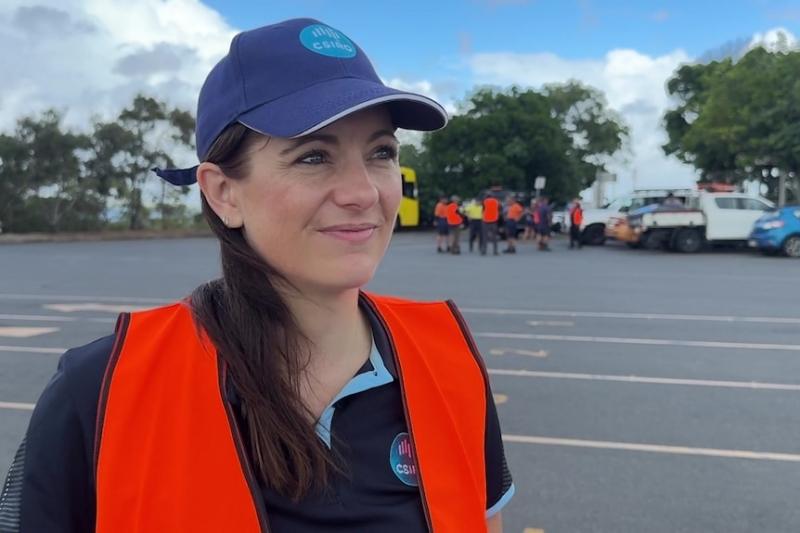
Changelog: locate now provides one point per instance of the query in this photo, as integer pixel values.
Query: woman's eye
(386, 152)
(314, 158)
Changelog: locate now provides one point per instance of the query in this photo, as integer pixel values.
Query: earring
(226, 221)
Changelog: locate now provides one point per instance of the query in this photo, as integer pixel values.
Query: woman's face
(321, 209)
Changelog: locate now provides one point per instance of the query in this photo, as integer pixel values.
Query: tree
(598, 133)
(690, 87)
(48, 187)
(145, 135)
(501, 139)
(14, 180)
(737, 120)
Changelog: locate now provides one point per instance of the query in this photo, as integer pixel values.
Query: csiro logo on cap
(326, 41)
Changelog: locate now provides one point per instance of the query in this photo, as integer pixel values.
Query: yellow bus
(408, 215)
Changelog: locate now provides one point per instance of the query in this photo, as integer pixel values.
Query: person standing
(442, 229)
(454, 222)
(281, 396)
(575, 221)
(474, 211)
(545, 223)
(491, 215)
(513, 216)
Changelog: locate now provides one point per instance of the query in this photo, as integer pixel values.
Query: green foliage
(508, 138)
(738, 120)
(54, 179)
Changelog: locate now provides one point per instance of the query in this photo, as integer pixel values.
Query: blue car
(778, 232)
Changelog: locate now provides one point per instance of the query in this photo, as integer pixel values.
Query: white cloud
(777, 39)
(634, 85)
(92, 56)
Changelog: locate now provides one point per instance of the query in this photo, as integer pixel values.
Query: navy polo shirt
(50, 488)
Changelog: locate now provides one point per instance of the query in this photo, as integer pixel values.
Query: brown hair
(254, 332)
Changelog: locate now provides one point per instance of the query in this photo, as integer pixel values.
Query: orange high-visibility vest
(491, 210)
(169, 455)
(577, 215)
(453, 216)
(515, 212)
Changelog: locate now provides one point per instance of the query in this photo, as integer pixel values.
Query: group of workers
(482, 218)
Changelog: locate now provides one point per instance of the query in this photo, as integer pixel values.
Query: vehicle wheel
(791, 246)
(688, 241)
(397, 223)
(653, 240)
(594, 235)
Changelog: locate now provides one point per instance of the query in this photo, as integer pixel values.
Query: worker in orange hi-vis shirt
(491, 216)
(442, 228)
(513, 216)
(454, 221)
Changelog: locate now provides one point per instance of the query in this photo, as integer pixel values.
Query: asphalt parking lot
(639, 392)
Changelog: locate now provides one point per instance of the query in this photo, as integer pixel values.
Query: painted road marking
(503, 351)
(634, 316)
(500, 398)
(642, 379)
(550, 323)
(655, 448)
(71, 308)
(38, 318)
(649, 342)
(24, 333)
(17, 406)
(75, 298)
(53, 318)
(31, 349)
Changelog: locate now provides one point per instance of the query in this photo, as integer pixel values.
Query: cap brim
(323, 104)
(312, 109)
(178, 176)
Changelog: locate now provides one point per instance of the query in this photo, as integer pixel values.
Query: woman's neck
(335, 325)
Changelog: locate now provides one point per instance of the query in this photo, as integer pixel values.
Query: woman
(281, 397)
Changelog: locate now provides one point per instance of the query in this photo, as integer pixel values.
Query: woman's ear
(217, 188)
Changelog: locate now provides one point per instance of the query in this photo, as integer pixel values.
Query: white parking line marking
(655, 448)
(75, 298)
(71, 308)
(53, 318)
(503, 351)
(31, 349)
(648, 342)
(633, 316)
(17, 406)
(38, 318)
(648, 380)
(24, 333)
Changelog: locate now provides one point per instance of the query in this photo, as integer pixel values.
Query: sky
(90, 57)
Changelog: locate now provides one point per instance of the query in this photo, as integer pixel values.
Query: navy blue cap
(291, 79)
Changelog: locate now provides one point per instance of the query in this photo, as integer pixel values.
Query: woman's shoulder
(85, 365)
(74, 389)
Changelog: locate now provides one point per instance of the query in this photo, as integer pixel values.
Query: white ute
(593, 227)
(709, 218)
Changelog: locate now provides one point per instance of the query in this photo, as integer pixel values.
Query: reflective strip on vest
(168, 455)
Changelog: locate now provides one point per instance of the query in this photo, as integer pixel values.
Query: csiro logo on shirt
(401, 457)
(326, 41)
